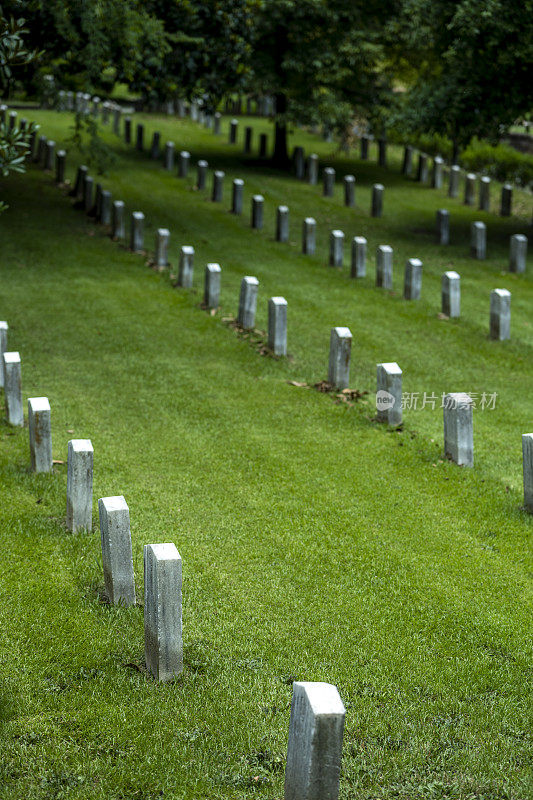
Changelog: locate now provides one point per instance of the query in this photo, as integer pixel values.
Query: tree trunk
(280, 157)
(455, 153)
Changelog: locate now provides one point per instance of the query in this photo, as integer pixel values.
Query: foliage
(13, 51)
(86, 140)
(14, 147)
(499, 161)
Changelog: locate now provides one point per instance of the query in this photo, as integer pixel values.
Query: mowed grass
(316, 543)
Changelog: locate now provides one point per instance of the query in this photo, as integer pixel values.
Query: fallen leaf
(57, 461)
(300, 384)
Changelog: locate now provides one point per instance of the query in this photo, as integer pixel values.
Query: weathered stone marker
(248, 132)
(118, 224)
(12, 120)
(470, 189)
(329, 181)
(218, 186)
(77, 191)
(4, 328)
(186, 268)
(161, 247)
(384, 266)
(407, 164)
(248, 302)
(453, 186)
(137, 231)
(61, 158)
(282, 224)
(422, 171)
(382, 152)
(233, 127)
(258, 202)
(349, 191)
(500, 314)
(451, 294)
(163, 643)
(41, 150)
(309, 236)
(478, 240)
(127, 130)
(94, 211)
(105, 207)
(277, 325)
(412, 285)
(314, 750)
(358, 269)
(298, 160)
(377, 200)
(49, 155)
(117, 559)
(155, 148)
(217, 123)
(13, 388)
(88, 185)
(168, 158)
(518, 253)
(527, 467)
(237, 196)
(389, 393)
(443, 226)
(484, 193)
(263, 145)
(117, 115)
(139, 141)
(183, 166)
(436, 175)
(459, 428)
(365, 141)
(212, 285)
(40, 431)
(201, 174)
(79, 485)
(506, 200)
(312, 169)
(340, 345)
(336, 248)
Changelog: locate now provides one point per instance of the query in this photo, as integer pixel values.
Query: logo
(384, 400)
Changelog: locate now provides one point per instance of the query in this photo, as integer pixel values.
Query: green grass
(316, 543)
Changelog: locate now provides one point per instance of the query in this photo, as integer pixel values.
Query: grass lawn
(316, 543)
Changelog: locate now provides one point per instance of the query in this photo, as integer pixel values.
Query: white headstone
(459, 428)
(79, 485)
(186, 268)
(340, 345)
(389, 393)
(451, 294)
(277, 325)
(115, 536)
(13, 388)
(40, 431)
(163, 643)
(248, 302)
(384, 266)
(500, 314)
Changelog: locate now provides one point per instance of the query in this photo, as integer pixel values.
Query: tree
(474, 59)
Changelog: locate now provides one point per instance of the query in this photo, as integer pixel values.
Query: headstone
(13, 388)
(247, 302)
(248, 131)
(161, 247)
(218, 123)
(527, 466)
(422, 171)
(500, 314)
(451, 294)
(484, 193)
(201, 174)
(139, 140)
(389, 393)
(182, 111)
(349, 191)
(340, 345)
(127, 130)
(23, 124)
(412, 286)
(185, 160)
(358, 269)
(40, 434)
(4, 328)
(470, 189)
(137, 231)
(277, 325)
(312, 169)
(377, 200)
(443, 226)
(309, 236)
(168, 158)
(365, 141)
(163, 644)
(105, 113)
(437, 173)
(77, 191)
(12, 120)
(298, 160)
(518, 253)
(212, 286)
(282, 224)
(61, 100)
(478, 240)
(155, 148)
(329, 181)
(105, 207)
(315, 742)
(96, 106)
(117, 115)
(336, 248)
(70, 101)
(407, 165)
(258, 203)
(49, 155)
(88, 185)
(233, 127)
(186, 268)
(118, 224)
(263, 145)
(459, 428)
(79, 485)
(382, 152)
(194, 111)
(218, 186)
(61, 158)
(41, 150)
(384, 266)
(237, 196)
(506, 200)
(117, 559)
(94, 211)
